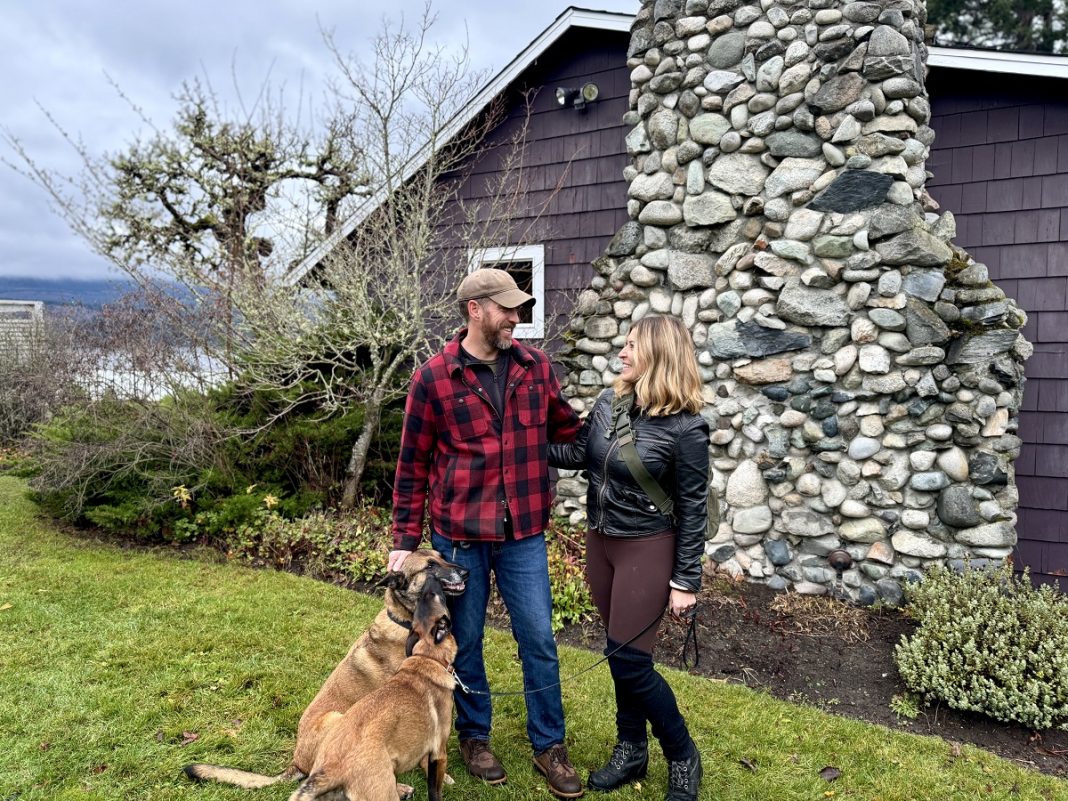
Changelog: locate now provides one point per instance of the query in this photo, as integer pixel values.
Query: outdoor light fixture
(576, 98)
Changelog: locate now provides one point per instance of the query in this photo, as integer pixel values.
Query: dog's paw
(449, 779)
(405, 791)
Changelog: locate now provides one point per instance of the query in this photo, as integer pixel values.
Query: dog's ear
(442, 629)
(394, 580)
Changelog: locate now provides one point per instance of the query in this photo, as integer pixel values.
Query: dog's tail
(200, 772)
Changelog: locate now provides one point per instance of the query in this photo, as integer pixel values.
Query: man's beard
(494, 336)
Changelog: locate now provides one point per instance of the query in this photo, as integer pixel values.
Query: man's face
(497, 323)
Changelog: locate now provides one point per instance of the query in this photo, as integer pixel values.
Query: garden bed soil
(827, 654)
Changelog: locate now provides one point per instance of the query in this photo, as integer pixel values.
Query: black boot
(627, 764)
(684, 777)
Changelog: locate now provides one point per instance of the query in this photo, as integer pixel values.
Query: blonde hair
(668, 378)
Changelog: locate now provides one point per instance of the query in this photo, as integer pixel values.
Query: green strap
(625, 437)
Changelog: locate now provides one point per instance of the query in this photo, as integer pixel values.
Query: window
(526, 264)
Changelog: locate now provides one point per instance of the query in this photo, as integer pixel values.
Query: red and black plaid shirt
(453, 457)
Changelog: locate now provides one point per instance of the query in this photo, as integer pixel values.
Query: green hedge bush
(988, 641)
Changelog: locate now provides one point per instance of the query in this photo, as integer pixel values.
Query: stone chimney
(862, 374)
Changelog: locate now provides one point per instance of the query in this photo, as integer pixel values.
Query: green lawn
(117, 667)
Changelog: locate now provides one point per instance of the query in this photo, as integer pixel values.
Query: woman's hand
(681, 604)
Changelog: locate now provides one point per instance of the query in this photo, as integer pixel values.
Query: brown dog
(403, 723)
(371, 660)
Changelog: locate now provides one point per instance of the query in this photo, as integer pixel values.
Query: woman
(638, 559)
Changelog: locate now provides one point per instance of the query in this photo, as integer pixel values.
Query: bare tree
(379, 296)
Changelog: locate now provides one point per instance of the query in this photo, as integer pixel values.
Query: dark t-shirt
(492, 376)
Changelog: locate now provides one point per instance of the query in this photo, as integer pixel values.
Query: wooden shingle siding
(1000, 163)
(575, 196)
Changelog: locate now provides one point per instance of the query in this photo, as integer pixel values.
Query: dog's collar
(404, 624)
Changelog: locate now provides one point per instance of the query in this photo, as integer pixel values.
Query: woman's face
(629, 358)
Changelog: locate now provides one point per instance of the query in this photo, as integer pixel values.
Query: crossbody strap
(625, 438)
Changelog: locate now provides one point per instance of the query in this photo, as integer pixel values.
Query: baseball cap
(497, 285)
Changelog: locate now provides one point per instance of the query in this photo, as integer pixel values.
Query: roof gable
(572, 17)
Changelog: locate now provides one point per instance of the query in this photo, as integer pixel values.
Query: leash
(691, 636)
(691, 633)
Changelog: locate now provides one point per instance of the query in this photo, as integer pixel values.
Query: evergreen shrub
(990, 642)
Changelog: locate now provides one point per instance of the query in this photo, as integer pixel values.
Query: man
(477, 424)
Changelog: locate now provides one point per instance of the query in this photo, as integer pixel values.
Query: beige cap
(497, 285)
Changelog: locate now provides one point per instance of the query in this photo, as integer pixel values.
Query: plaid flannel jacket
(452, 458)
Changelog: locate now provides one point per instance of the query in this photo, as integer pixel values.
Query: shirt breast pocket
(466, 418)
(530, 400)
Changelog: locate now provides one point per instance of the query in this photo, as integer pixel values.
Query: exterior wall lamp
(576, 98)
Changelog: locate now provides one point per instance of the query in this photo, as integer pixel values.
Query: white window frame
(535, 254)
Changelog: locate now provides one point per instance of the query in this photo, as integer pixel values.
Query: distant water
(91, 294)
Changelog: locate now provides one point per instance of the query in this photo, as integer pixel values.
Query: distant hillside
(64, 291)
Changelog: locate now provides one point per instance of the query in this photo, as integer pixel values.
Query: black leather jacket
(674, 449)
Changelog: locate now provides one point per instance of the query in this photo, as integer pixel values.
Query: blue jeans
(522, 571)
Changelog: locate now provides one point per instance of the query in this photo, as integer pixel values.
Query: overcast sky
(58, 54)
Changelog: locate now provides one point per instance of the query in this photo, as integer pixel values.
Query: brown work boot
(480, 761)
(561, 774)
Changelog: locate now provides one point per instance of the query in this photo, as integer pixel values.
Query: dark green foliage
(1017, 25)
(195, 465)
(989, 642)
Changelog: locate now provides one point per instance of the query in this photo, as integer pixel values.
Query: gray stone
(663, 128)
(915, 247)
(760, 341)
(738, 174)
(929, 482)
(990, 535)
(708, 208)
(726, 50)
(980, 348)
(886, 41)
(724, 343)
(660, 212)
(923, 326)
(957, 508)
(708, 129)
(839, 92)
(805, 306)
(924, 284)
(793, 143)
(657, 186)
(793, 174)
(689, 270)
(986, 470)
(721, 81)
(887, 319)
(919, 545)
(890, 592)
(778, 552)
(852, 191)
(746, 486)
(866, 530)
(805, 523)
(864, 448)
(754, 520)
(890, 219)
(626, 240)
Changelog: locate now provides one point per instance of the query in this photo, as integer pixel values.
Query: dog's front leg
(435, 775)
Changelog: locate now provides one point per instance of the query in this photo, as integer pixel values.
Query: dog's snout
(462, 573)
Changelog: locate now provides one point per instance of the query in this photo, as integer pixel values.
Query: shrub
(571, 594)
(353, 546)
(989, 642)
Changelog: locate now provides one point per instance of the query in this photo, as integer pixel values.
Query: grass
(119, 666)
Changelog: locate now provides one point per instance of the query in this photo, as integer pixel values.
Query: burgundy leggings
(628, 579)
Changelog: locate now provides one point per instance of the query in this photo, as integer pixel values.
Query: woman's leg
(642, 570)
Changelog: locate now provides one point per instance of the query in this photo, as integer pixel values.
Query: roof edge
(572, 17)
(998, 61)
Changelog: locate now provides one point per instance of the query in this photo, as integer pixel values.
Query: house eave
(939, 57)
